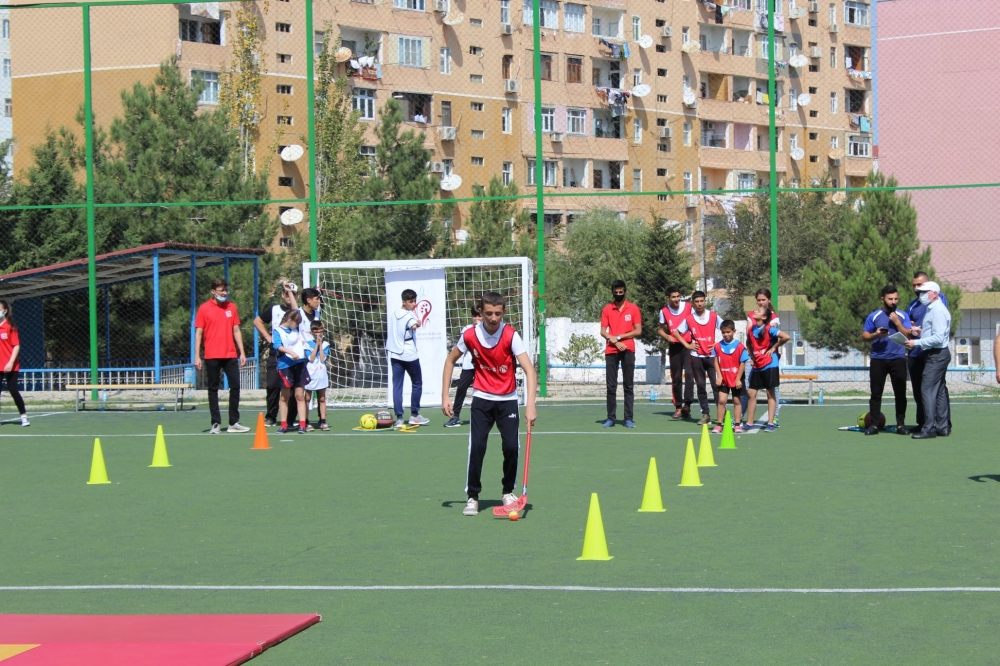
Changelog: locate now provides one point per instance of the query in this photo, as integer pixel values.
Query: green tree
(879, 246)
(662, 264)
(994, 285)
(493, 225)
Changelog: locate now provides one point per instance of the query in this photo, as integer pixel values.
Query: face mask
(925, 298)
(619, 297)
(221, 299)
(3, 313)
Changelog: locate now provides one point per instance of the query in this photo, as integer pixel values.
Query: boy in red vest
(495, 347)
(701, 324)
(730, 364)
(671, 317)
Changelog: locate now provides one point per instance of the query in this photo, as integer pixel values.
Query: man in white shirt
(934, 332)
(402, 346)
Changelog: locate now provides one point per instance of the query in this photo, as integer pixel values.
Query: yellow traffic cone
(160, 450)
(705, 456)
(652, 500)
(595, 546)
(728, 439)
(98, 472)
(689, 477)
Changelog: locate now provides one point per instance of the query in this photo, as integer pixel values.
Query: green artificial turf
(807, 507)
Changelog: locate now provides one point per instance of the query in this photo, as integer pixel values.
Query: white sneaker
(398, 424)
(236, 427)
(509, 499)
(215, 429)
(471, 507)
(419, 420)
(24, 422)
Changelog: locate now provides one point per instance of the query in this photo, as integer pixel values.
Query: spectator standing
(888, 359)
(917, 358)
(467, 376)
(933, 343)
(266, 322)
(10, 359)
(672, 315)
(702, 324)
(217, 324)
(404, 359)
(621, 323)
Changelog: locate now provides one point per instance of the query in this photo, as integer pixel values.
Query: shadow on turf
(978, 478)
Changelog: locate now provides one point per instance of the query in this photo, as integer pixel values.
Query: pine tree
(662, 264)
(492, 224)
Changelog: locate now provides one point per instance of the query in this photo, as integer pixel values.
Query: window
(476, 106)
(685, 35)
(546, 67)
(206, 32)
(286, 181)
(416, 107)
(813, 136)
(364, 102)
(415, 5)
(637, 130)
(505, 12)
(505, 64)
(689, 232)
(476, 50)
(319, 38)
(576, 121)
(209, 81)
(857, 146)
(856, 101)
(813, 158)
(286, 241)
(834, 141)
(477, 134)
(636, 77)
(282, 27)
(661, 71)
(661, 98)
(833, 57)
(478, 161)
(813, 68)
(284, 58)
(685, 82)
(8, 108)
(574, 18)
(369, 153)
(445, 117)
(284, 120)
(284, 89)
(688, 181)
(595, 26)
(6, 68)
(637, 180)
(411, 51)
(793, 141)
(661, 48)
(856, 13)
(574, 69)
(686, 133)
(813, 90)
(814, 114)
(793, 100)
(445, 60)
(833, 14)
(549, 11)
(508, 173)
(449, 166)
(663, 147)
(833, 102)
(6, 28)
(636, 28)
(548, 173)
(746, 180)
(795, 183)
(548, 120)
(505, 120)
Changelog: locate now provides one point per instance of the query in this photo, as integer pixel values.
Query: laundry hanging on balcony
(618, 51)
(856, 74)
(617, 100)
(779, 21)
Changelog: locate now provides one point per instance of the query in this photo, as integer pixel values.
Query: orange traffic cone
(260, 436)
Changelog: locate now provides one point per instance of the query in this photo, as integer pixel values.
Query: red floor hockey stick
(518, 506)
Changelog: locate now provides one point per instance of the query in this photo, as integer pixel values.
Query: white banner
(431, 340)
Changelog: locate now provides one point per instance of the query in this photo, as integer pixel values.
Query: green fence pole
(773, 149)
(311, 119)
(91, 239)
(539, 197)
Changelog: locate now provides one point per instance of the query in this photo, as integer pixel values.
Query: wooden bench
(808, 378)
(83, 389)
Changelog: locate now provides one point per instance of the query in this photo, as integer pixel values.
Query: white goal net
(356, 304)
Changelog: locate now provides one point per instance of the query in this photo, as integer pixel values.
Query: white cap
(929, 286)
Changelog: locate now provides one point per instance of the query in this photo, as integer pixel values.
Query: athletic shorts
(732, 390)
(766, 378)
(295, 376)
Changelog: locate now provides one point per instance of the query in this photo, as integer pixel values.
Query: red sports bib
(704, 334)
(729, 364)
(494, 365)
(673, 321)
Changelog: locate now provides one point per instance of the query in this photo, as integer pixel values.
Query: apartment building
(7, 119)
(463, 73)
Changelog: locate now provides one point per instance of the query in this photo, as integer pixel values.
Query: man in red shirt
(218, 325)
(621, 324)
(10, 363)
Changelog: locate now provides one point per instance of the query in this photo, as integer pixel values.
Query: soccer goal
(360, 296)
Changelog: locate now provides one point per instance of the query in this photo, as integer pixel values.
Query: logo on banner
(423, 311)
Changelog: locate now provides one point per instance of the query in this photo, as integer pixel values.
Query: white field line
(363, 434)
(507, 588)
(32, 417)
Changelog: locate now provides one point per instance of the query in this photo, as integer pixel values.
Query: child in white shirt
(317, 351)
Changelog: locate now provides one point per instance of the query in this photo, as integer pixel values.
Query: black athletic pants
(464, 383)
(895, 370)
(10, 378)
(214, 367)
(274, 392)
(933, 392)
(680, 372)
(704, 366)
(916, 366)
(611, 362)
(504, 413)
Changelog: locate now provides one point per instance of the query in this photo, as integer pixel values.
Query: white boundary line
(33, 416)
(508, 588)
(362, 434)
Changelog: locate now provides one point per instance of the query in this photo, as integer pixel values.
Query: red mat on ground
(151, 640)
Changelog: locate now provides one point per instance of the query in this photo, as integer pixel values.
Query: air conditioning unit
(816, 52)
(506, 29)
(441, 5)
(813, 6)
(709, 125)
(796, 13)
(447, 133)
(437, 167)
(667, 31)
(691, 201)
(666, 132)
(510, 85)
(834, 28)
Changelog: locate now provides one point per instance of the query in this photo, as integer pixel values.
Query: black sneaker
(872, 430)
(453, 422)
(902, 430)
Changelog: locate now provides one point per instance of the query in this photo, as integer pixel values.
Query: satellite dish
(641, 90)
(689, 98)
(839, 198)
(837, 154)
(798, 60)
(343, 54)
(291, 216)
(454, 18)
(691, 47)
(461, 236)
(805, 99)
(798, 154)
(645, 41)
(451, 182)
(292, 152)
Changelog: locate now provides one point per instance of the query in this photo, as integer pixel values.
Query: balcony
(739, 112)
(741, 160)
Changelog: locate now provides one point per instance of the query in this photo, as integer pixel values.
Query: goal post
(359, 296)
